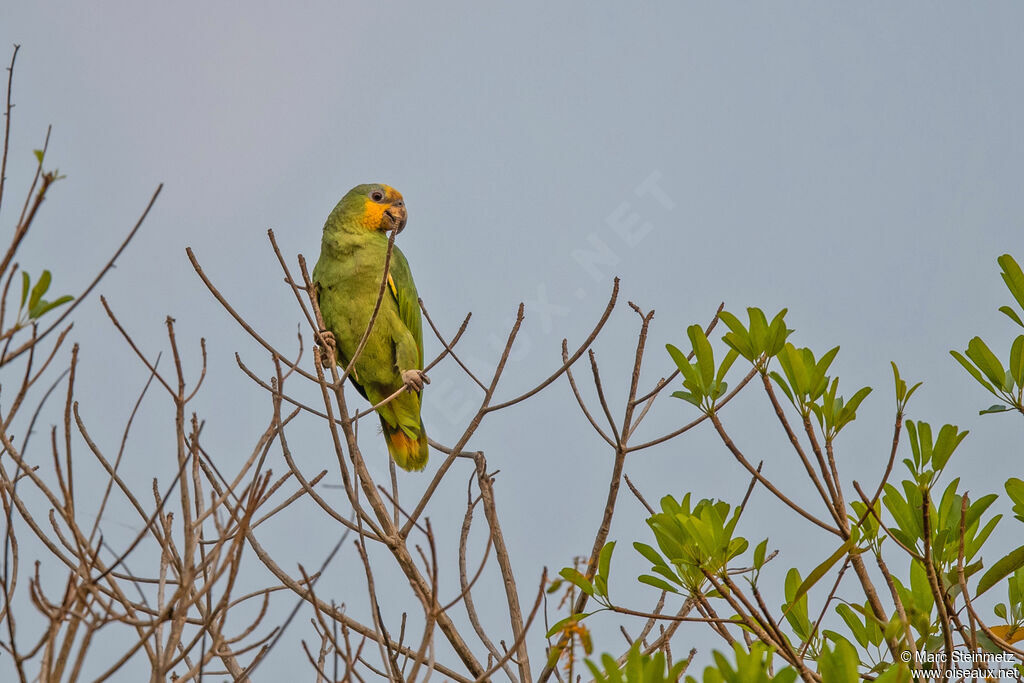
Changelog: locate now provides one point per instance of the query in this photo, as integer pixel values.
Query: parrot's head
(370, 208)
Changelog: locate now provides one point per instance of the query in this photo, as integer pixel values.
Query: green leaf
(1013, 277)
(1001, 569)
(856, 399)
(953, 575)
(721, 389)
(562, 624)
(915, 441)
(920, 588)
(634, 666)
(893, 628)
(37, 292)
(979, 539)
(600, 587)
(36, 311)
(782, 385)
(651, 554)
(1017, 360)
(895, 674)
(1015, 489)
(704, 355)
(39, 155)
(657, 583)
(595, 671)
(948, 439)
(900, 384)
(906, 514)
(853, 623)
(997, 408)
(759, 553)
(973, 371)
(758, 328)
(1011, 314)
(793, 364)
(667, 573)
(823, 568)
(25, 280)
(777, 334)
(581, 582)
(821, 367)
(605, 560)
(840, 665)
(730, 358)
(688, 397)
(795, 610)
(687, 370)
(979, 352)
(732, 322)
(737, 338)
(45, 306)
(976, 508)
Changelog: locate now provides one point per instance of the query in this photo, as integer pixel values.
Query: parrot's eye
(377, 196)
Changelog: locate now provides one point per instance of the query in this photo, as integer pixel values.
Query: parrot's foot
(327, 338)
(415, 379)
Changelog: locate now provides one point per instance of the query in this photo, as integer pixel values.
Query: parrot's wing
(322, 302)
(403, 289)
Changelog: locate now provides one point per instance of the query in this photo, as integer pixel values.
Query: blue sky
(858, 163)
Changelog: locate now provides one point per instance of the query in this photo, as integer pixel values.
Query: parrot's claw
(415, 379)
(327, 338)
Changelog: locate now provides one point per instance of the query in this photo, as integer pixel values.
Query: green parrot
(348, 276)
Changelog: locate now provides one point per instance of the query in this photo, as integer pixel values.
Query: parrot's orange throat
(373, 212)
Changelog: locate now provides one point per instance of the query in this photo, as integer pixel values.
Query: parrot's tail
(410, 454)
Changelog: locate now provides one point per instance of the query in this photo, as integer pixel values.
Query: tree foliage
(893, 596)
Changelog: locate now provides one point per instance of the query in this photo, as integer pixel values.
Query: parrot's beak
(397, 216)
